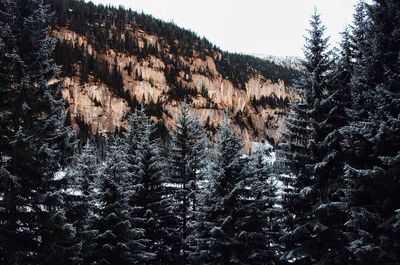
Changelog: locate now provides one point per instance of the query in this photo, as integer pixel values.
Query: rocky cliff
(257, 106)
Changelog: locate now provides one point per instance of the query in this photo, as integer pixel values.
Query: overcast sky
(271, 27)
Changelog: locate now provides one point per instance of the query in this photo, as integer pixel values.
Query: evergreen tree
(215, 232)
(342, 147)
(137, 125)
(372, 139)
(197, 166)
(294, 153)
(310, 87)
(343, 69)
(317, 61)
(11, 70)
(239, 224)
(113, 242)
(35, 142)
(152, 208)
(83, 173)
(258, 220)
(359, 31)
(314, 231)
(361, 48)
(187, 150)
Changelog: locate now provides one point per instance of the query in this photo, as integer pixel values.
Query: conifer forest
(328, 193)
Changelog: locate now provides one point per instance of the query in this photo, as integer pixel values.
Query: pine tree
(316, 208)
(82, 175)
(113, 241)
(186, 154)
(372, 139)
(359, 30)
(341, 75)
(258, 220)
(197, 157)
(215, 241)
(9, 186)
(239, 224)
(317, 61)
(294, 153)
(35, 141)
(361, 47)
(152, 208)
(310, 88)
(197, 166)
(137, 124)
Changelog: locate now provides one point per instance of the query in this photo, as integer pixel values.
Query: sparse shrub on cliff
(270, 101)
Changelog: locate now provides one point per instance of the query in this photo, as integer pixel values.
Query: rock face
(94, 104)
(216, 96)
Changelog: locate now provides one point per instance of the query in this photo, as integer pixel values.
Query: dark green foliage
(128, 68)
(34, 141)
(211, 105)
(128, 199)
(99, 70)
(161, 131)
(209, 127)
(84, 171)
(66, 62)
(317, 61)
(271, 101)
(238, 221)
(152, 215)
(347, 171)
(96, 102)
(181, 93)
(372, 138)
(204, 92)
(239, 120)
(315, 206)
(259, 221)
(214, 232)
(252, 126)
(155, 109)
(293, 150)
(90, 65)
(85, 129)
(113, 239)
(186, 158)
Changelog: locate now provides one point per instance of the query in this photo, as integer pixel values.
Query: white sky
(272, 27)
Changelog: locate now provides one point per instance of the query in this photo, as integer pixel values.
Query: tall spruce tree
(360, 34)
(10, 72)
(215, 231)
(198, 171)
(152, 213)
(82, 174)
(314, 228)
(258, 221)
(34, 138)
(137, 127)
(113, 241)
(372, 139)
(197, 159)
(359, 31)
(239, 222)
(295, 154)
(310, 88)
(185, 163)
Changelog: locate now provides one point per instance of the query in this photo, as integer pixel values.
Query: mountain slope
(118, 59)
